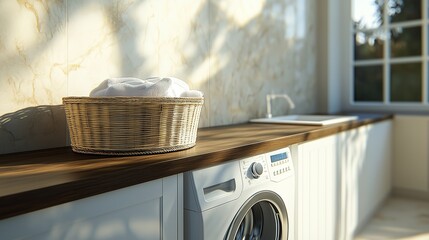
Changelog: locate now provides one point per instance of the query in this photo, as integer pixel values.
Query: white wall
(235, 51)
(411, 155)
(333, 54)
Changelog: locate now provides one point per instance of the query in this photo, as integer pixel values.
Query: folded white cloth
(121, 87)
(192, 93)
(167, 87)
(151, 87)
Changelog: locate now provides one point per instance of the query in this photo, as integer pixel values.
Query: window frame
(348, 63)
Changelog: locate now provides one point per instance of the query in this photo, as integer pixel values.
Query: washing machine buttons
(279, 163)
(281, 168)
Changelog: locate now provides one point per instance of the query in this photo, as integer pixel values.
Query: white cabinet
(152, 210)
(341, 181)
(366, 163)
(316, 184)
(411, 154)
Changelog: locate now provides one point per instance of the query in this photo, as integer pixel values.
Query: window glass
(388, 46)
(406, 82)
(406, 42)
(368, 83)
(404, 10)
(367, 13)
(368, 45)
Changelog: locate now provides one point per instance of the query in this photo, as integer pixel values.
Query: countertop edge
(128, 174)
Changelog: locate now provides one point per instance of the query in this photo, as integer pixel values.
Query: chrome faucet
(274, 96)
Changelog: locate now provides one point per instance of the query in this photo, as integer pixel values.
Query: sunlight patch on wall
(241, 12)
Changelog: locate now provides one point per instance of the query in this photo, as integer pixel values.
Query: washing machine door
(262, 217)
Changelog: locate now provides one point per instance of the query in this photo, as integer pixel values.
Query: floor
(399, 218)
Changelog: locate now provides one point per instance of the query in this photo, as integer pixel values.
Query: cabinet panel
(374, 172)
(145, 211)
(172, 207)
(135, 222)
(316, 189)
(341, 181)
(366, 173)
(411, 158)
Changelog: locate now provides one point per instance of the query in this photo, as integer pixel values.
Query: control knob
(256, 169)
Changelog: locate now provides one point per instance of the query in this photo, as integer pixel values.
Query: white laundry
(192, 93)
(121, 87)
(150, 87)
(167, 87)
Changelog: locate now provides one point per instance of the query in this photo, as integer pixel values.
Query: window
(390, 52)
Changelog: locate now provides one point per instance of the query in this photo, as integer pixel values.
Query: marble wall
(235, 51)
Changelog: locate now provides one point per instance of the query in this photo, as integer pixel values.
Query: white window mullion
(386, 78)
(369, 62)
(351, 81)
(412, 23)
(392, 60)
(425, 52)
(407, 60)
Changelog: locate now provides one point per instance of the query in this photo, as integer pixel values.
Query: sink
(315, 120)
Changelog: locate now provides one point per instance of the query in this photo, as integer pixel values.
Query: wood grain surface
(34, 180)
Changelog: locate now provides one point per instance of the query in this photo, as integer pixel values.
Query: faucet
(274, 96)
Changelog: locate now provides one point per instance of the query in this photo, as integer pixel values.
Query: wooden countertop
(34, 180)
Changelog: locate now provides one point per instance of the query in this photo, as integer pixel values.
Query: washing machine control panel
(273, 166)
(280, 164)
(254, 170)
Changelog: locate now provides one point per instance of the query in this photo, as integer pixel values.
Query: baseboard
(408, 193)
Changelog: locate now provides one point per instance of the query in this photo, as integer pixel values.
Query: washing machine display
(281, 165)
(251, 198)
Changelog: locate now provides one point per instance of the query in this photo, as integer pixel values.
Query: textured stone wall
(235, 51)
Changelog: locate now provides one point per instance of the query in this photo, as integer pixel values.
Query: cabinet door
(316, 184)
(146, 211)
(365, 174)
(341, 181)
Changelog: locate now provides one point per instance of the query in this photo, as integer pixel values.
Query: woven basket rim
(125, 152)
(135, 99)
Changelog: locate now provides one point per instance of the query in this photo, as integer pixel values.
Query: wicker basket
(132, 125)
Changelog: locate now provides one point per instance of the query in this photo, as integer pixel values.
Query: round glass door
(262, 217)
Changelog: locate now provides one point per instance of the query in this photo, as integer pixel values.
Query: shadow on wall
(251, 59)
(33, 128)
(34, 69)
(247, 59)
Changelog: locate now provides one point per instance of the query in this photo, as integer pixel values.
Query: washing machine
(250, 198)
